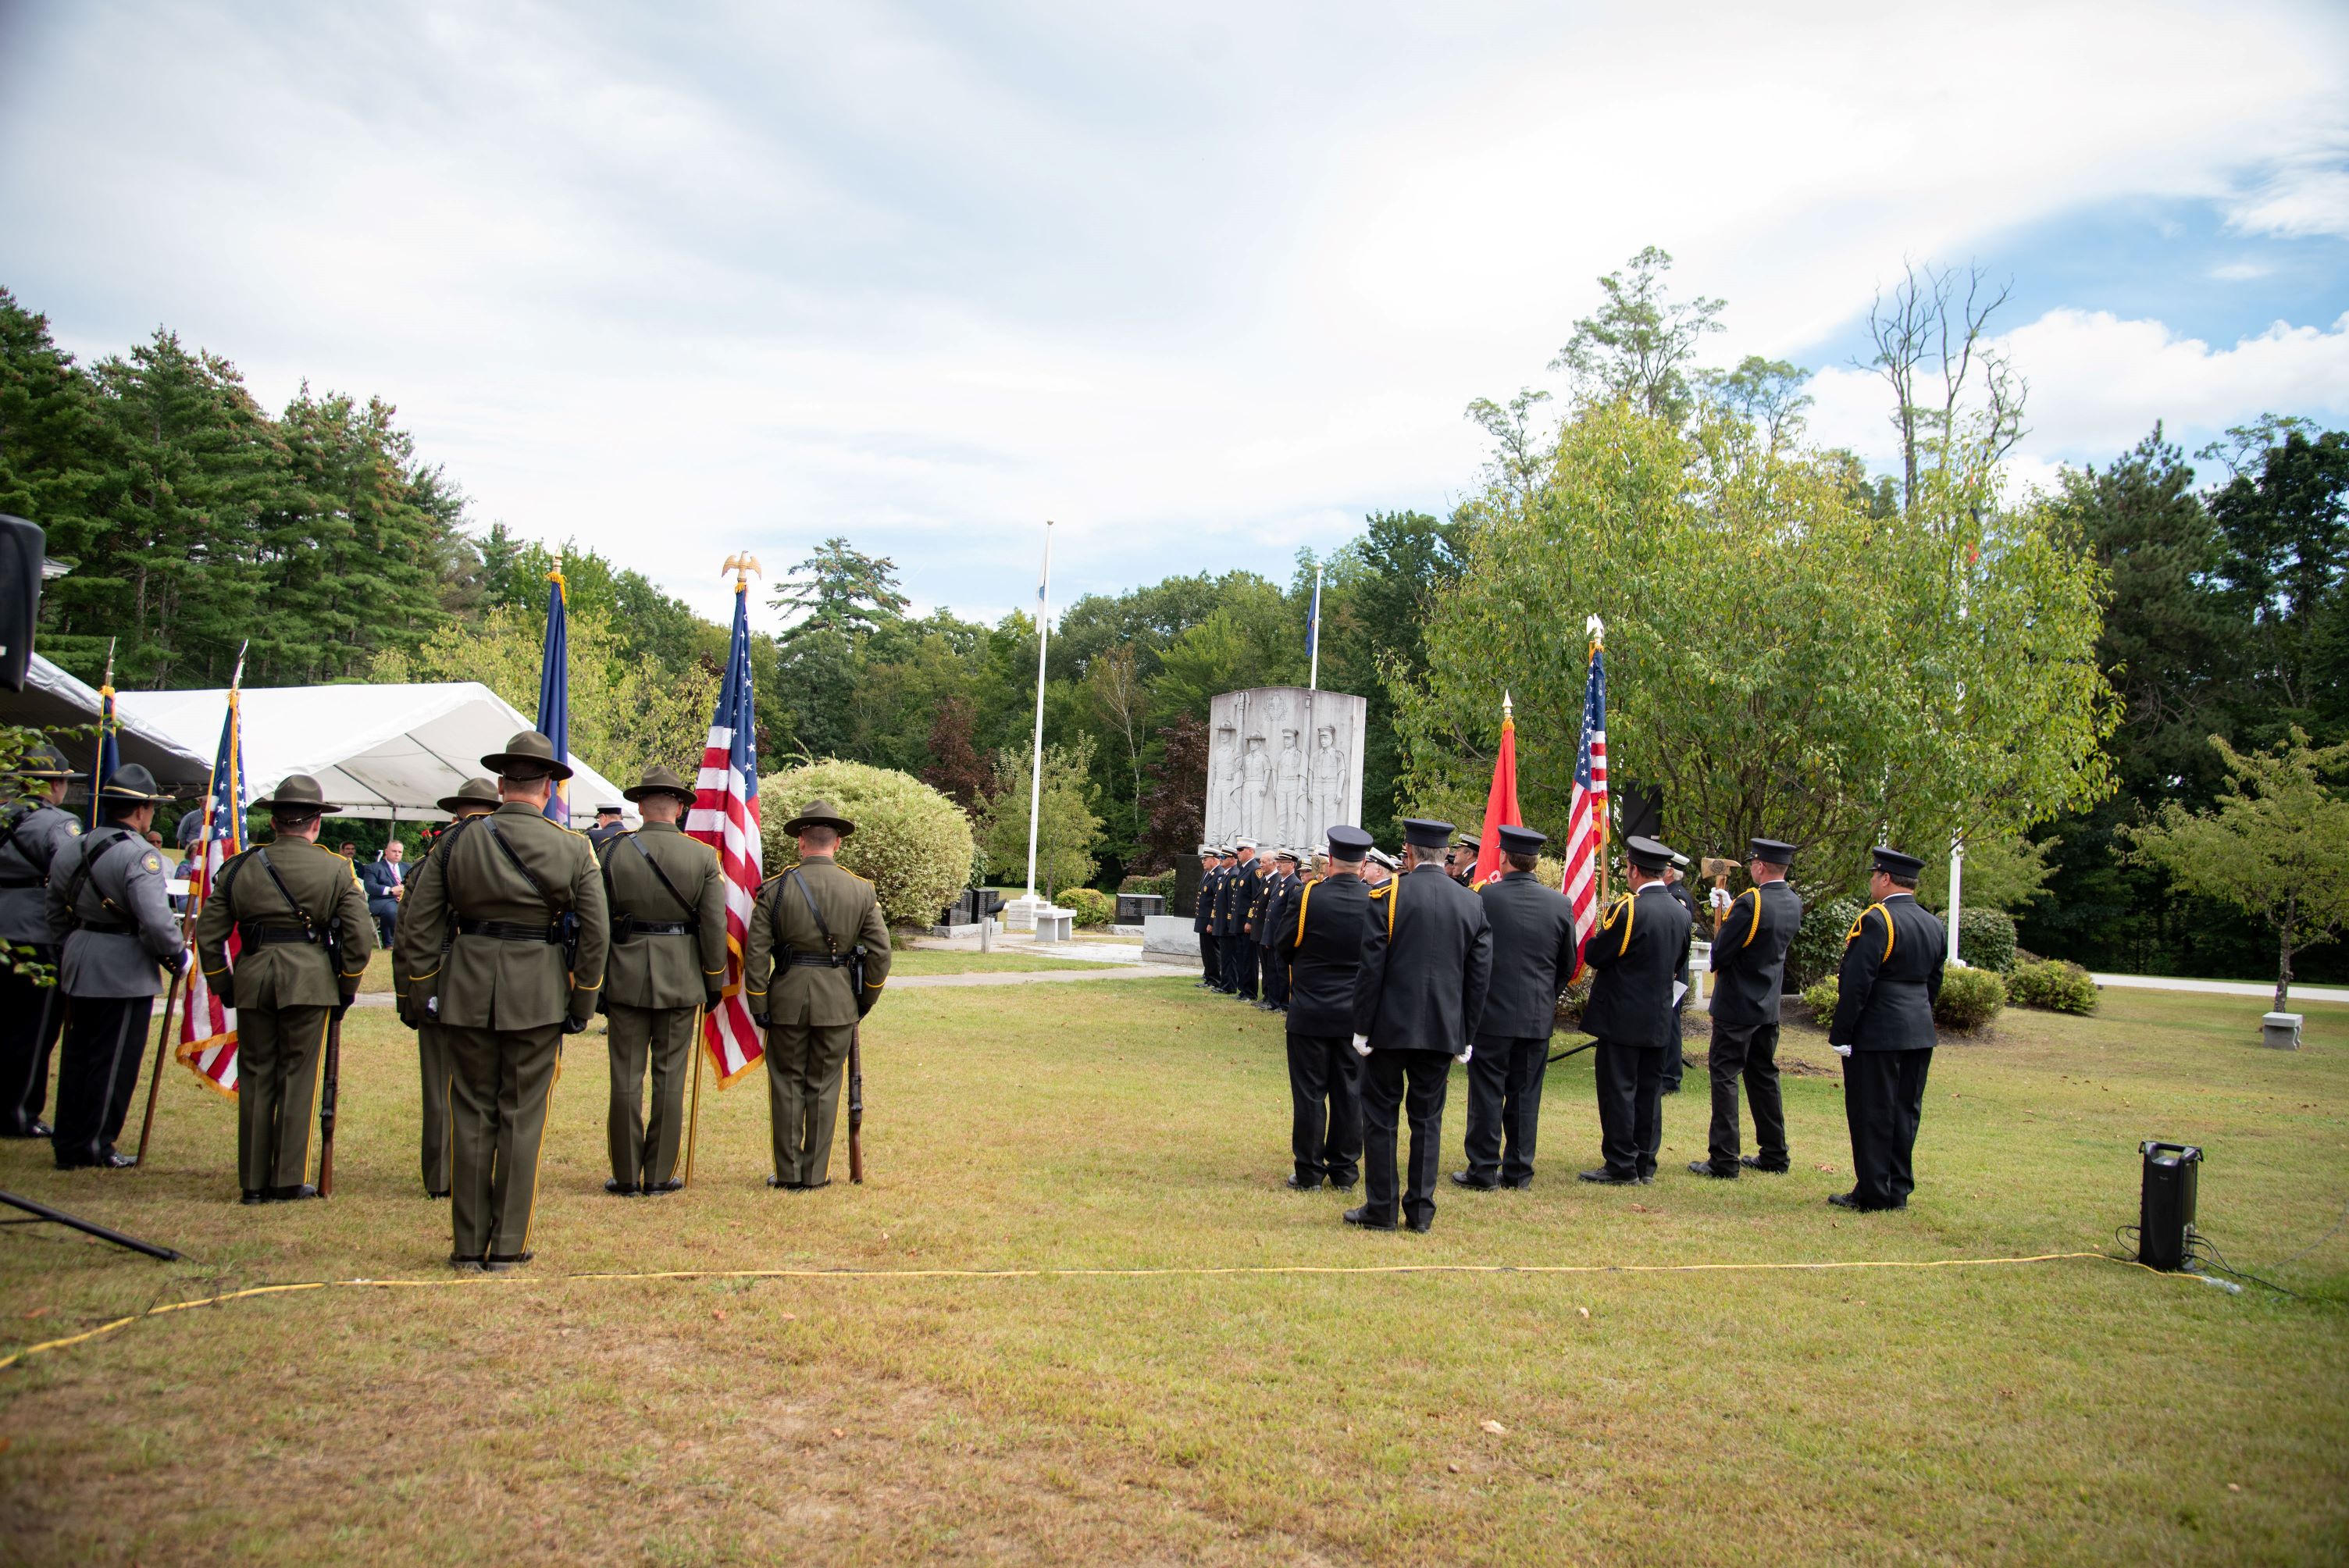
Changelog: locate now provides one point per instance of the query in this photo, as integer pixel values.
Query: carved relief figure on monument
(1289, 774)
(1255, 789)
(1329, 781)
(1227, 781)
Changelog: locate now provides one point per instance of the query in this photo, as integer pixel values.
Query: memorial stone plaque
(1284, 765)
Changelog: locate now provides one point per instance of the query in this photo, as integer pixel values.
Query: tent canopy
(378, 751)
(53, 699)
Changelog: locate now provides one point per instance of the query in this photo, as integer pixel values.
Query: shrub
(1986, 939)
(1817, 950)
(1970, 998)
(1159, 882)
(1820, 998)
(2058, 987)
(1576, 997)
(1093, 907)
(911, 842)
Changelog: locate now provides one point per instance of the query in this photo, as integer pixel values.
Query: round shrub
(1093, 906)
(2057, 986)
(1817, 950)
(1159, 882)
(1986, 939)
(1820, 998)
(1970, 998)
(911, 842)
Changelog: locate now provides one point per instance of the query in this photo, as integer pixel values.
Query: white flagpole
(1036, 766)
(1313, 682)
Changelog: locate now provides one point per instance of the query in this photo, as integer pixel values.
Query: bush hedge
(911, 842)
(1986, 939)
(1817, 949)
(1970, 998)
(1094, 906)
(1820, 998)
(1159, 882)
(2056, 987)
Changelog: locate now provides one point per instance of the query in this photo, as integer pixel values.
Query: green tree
(840, 589)
(2286, 545)
(49, 430)
(1638, 346)
(1066, 828)
(2276, 845)
(1766, 393)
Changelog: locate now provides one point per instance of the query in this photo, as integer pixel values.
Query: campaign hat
(528, 755)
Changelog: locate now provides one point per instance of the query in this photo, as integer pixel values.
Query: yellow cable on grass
(1183, 1271)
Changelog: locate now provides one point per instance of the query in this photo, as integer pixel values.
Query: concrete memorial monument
(1284, 765)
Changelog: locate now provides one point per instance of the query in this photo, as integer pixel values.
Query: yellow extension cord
(1195, 1271)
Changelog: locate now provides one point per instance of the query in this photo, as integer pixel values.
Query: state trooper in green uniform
(517, 902)
(667, 899)
(474, 797)
(799, 974)
(306, 939)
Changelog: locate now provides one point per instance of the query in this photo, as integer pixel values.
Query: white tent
(52, 699)
(378, 751)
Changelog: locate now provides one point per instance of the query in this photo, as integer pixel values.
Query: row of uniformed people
(1390, 984)
(1245, 900)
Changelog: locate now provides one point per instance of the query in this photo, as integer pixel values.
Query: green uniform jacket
(493, 982)
(780, 924)
(663, 969)
(287, 973)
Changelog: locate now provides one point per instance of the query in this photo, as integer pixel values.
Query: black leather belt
(22, 881)
(507, 930)
(816, 961)
(659, 928)
(269, 936)
(104, 928)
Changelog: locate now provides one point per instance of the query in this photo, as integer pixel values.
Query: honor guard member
(1320, 945)
(803, 978)
(667, 895)
(1750, 939)
(305, 939)
(1461, 861)
(1636, 950)
(1378, 869)
(474, 797)
(1427, 962)
(1232, 929)
(505, 932)
(1203, 908)
(34, 829)
(108, 911)
(1676, 884)
(609, 825)
(1883, 1028)
(1282, 886)
(1533, 961)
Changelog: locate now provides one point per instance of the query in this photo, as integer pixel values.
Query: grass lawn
(932, 960)
(2074, 1411)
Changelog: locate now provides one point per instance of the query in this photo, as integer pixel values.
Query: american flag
(1586, 824)
(208, 1026)
(725, 816)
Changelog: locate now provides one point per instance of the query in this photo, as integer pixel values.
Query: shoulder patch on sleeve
(72, 827)
(153, 862)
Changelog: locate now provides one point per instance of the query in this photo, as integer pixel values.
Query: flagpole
(1313, 681)
(1036, 764)
(105, 712)
(1598, 633)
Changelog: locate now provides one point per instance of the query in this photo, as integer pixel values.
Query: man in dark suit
(1233, 928)
(1749, 968)
(1427, 962)
(1320, 945)
(1203, 916)
(1281, 889)
(1636, 950)
(383, 879)
(610, 823)
(1676, 884)
(1883, 1028)
(1533, 960)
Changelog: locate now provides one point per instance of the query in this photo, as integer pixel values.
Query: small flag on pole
(109, 757)
(554, 689)
(207, 1044)
(1586, 824)
(725, 816)
(1501, 801)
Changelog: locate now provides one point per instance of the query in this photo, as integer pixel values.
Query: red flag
(1501, 802)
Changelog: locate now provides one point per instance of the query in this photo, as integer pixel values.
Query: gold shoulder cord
(1872, 909)
(1303, 904)
(1755, 894)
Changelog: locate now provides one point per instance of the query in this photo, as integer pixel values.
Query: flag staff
(1036, 766)
(1597, 631)
(105, 717)
(1313, 632)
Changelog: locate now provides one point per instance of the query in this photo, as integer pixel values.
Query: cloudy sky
(1202, 284)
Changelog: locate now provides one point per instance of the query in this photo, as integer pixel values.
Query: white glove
(1840, 1050)
(1463, 1058)
(1361, 1044)
(1721, 899)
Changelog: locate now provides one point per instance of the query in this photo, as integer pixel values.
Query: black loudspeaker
(1639, 812)
(23, 548)
(2165, 1213)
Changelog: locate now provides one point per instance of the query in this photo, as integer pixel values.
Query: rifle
(330, 1081)
(164, 1040)
(856, 1104)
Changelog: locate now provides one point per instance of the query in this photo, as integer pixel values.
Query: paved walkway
(1092, 971)
(2221, 987)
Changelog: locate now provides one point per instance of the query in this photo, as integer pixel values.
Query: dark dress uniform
(666, 894)
(1672, 1069)
(604, 833)
(496, 900)
(1533, 961)
(1281, 889)
(1891, 976)
(1426, 966)
(1636, 951)
(1320, 947)
(111, 919)
(474, 797)
(306, 938)
(32, 831)
(1236, 928)
(1749, 968)
(1203, 923)
(797, 979)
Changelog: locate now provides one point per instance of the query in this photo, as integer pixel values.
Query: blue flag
(554, 692)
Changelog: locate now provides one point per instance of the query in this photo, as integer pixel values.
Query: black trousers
(1275, 976)
(1210, 960)
(1883, 1100)
(1414, 1083)
(1239, 965)
(1325, 1097)
(1630, 1107)
(1505, 1087)
(105, 1039)
(1673, 1051)
(30, 1018)
(1750, 1050)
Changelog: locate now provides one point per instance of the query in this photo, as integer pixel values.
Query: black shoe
(251, 1196)
(1361, 1217)
(1516, 1183)
(812, 1186)
(37, 1130)
(292, 1195)
(1419, 1227)
(110, 1160)
(464, 1265)
(1300, 1184)
(1751, 1164)
(1849, 1201)
(778, 1182)
(1337, 1186)
(436, 1197)
(674, 1184)
(1475, 1184)
(1606, 1178)
(618, 1189)
(496, 1264)
(1704, 1168)
(1671, 1088)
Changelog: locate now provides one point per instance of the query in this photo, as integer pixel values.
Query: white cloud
(2295, 202)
